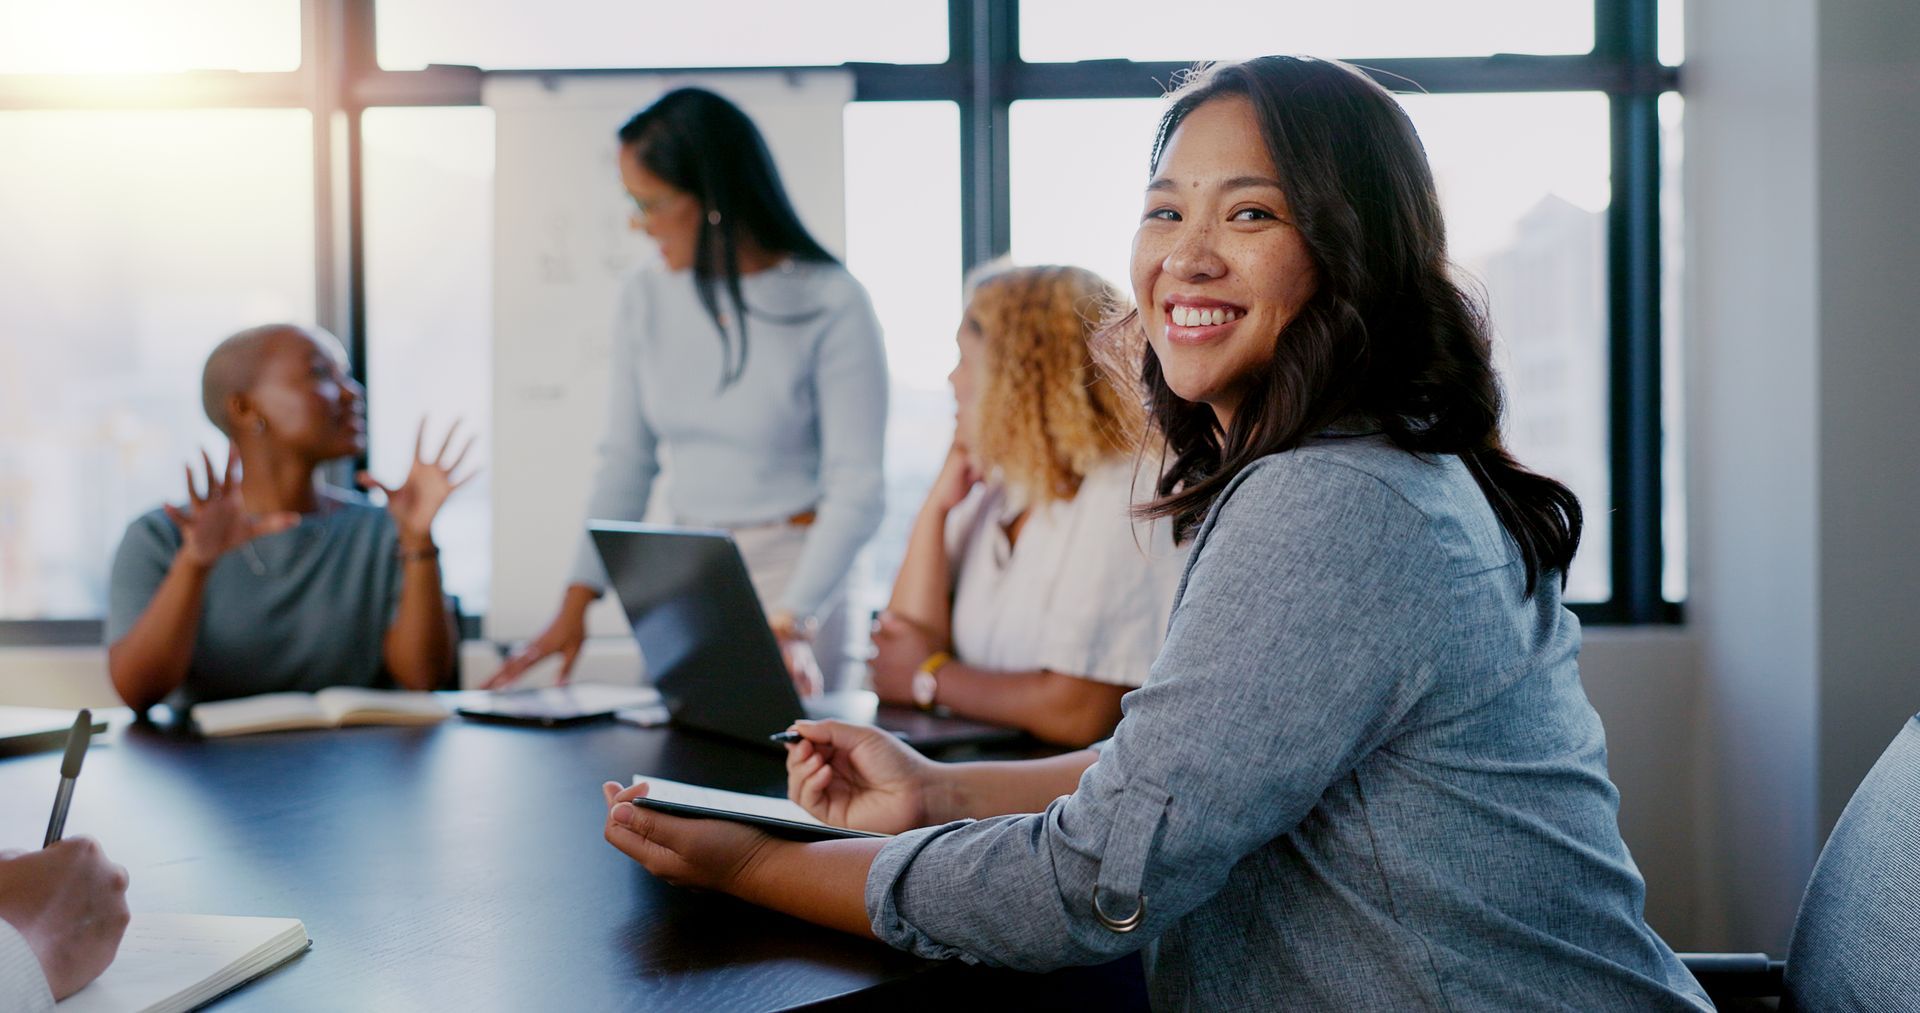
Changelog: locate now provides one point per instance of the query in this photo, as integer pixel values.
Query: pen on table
(69, 770)
(788, 737)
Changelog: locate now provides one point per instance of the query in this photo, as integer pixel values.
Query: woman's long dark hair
(1387, 336)
(703, 145)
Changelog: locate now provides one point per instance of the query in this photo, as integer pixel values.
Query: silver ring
(1127, 924)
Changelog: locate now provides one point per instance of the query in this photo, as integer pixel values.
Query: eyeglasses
(645, 209)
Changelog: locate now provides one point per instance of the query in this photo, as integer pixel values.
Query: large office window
(144, 37)
(429, 232)
(1148, 30)
(1673, 463)
(1523, 183)
(138, 236)
(1078, 169)
(514, 34)
(134, 243)
(903, 243)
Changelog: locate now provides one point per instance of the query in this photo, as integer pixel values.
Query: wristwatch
(926, 680)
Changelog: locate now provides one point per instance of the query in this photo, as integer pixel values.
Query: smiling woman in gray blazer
(1362, 773)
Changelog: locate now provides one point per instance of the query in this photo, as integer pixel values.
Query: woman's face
(967, 378)
(306, 399)
(1218, 268)
(670, 217)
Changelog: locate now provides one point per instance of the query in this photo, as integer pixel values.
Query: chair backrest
(1856, 943)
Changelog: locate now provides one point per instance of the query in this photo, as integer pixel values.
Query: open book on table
(329, 708)
(181, 962)
(773, 814)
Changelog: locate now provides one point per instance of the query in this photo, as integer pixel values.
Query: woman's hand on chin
(957, 477)
(702, 854)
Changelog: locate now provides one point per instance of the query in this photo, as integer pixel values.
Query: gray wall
(1869, 134)
(1644, 683)
(1801, 240)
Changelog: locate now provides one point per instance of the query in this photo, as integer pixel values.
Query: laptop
(708, 649)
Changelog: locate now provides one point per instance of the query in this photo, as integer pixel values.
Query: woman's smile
(1196, 320)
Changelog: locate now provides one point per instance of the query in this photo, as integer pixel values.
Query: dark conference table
(461, 866)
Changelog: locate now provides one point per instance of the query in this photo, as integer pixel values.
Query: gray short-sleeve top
(302, 609)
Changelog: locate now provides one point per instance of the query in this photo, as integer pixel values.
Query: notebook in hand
(773, 814)
(181, 962)
(330, 708)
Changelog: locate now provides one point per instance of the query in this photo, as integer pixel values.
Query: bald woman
(266, 579)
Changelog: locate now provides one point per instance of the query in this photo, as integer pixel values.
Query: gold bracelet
(925, 687)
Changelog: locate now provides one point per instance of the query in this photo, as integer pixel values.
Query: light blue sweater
(1362, 775)
(801, 429)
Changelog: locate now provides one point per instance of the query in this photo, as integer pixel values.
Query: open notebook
(338, 705)
(179, 962)
(775, 814)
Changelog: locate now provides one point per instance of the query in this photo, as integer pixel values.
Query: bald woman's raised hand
(415, 502)
(215, 520)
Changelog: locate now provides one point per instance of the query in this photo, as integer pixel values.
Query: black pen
(69, 770)
(785, 738)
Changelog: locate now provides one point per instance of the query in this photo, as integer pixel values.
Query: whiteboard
(561, 250)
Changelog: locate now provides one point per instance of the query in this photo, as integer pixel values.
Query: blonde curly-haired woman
(1028, 596)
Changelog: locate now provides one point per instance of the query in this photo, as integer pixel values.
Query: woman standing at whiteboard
(752, 363)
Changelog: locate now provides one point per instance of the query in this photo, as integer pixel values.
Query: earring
(260, 426)
(713, 217)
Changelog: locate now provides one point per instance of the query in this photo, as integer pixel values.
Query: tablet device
(792, 830)
(558, 706)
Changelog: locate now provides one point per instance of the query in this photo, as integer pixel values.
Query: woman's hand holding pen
(860, 777)
(215, 522)
(70, 904)
(703, 854)
(418, 499)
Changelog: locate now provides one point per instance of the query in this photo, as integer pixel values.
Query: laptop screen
(701, 630)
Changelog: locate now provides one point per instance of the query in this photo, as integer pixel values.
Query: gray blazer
(1362, 775)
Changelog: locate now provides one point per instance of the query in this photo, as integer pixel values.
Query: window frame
(339, 78)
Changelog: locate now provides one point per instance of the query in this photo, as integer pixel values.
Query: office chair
(1856, 940)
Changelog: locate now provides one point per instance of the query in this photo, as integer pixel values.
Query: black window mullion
(1633, 280)
(1625, 31)
(984, 43)
(360, 60)
(1432, 75)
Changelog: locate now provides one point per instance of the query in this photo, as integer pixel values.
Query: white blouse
(1084, 591)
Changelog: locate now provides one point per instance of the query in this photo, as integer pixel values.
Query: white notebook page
(176, 962)
(728, 801)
